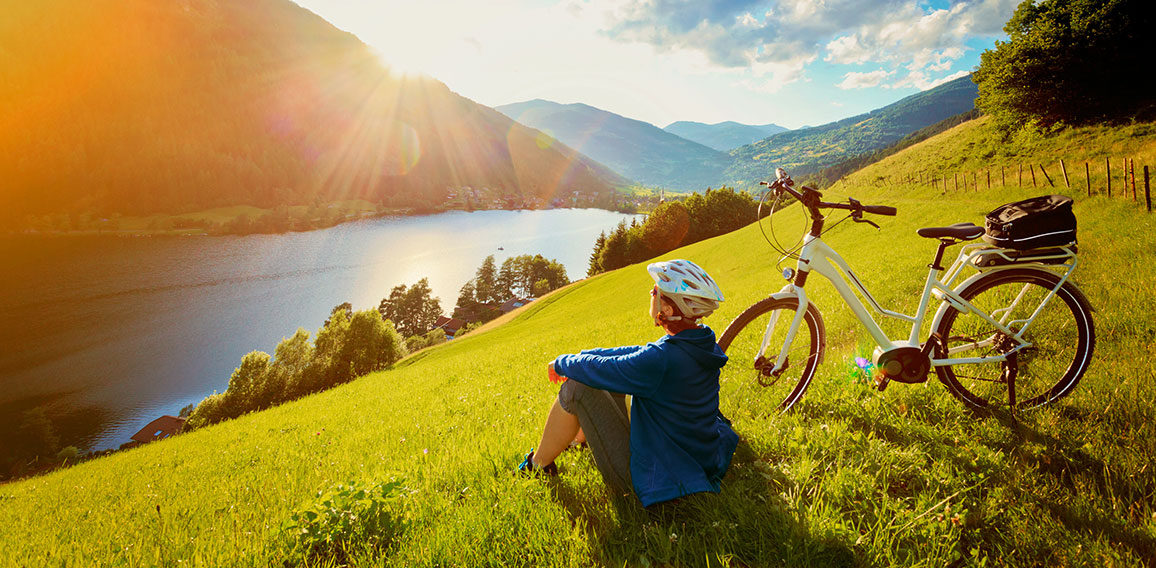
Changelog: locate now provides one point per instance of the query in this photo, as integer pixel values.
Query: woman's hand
(553, 375)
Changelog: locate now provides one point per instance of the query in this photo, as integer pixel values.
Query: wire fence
(1112, 180)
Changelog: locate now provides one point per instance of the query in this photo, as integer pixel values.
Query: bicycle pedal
(881, 382)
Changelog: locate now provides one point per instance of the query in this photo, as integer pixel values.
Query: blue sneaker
(527, 466)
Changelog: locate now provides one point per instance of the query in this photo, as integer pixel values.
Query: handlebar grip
(880, 210)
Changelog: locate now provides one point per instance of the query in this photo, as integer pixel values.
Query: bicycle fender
(791, 291)
(946, 302)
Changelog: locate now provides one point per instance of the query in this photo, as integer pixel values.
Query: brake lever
(857, 214)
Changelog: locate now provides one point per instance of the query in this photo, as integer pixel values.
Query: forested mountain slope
(809, 149)
(137, 107)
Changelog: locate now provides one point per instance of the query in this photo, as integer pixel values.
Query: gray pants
(603, 418)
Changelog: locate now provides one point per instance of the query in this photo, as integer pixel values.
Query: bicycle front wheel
(1059, 333)
(753, 341)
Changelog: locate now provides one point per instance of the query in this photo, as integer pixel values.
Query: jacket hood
(700, 344)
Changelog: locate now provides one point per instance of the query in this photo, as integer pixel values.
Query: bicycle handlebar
(810, 199)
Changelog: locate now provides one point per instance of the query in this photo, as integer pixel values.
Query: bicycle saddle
(961, 231)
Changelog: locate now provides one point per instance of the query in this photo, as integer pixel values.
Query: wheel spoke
(1043, 360)
(753, 343)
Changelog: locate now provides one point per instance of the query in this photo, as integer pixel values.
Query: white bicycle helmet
(691, 289)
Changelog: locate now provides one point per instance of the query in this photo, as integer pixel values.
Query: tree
(486, 283)
(595, 264)
(508, 276)
(37, 435)
(666, 227)
(291, 361)
(467, 306)
(614, 252)
(412, 310)
(327, 369)
(373, 344)
(1068, 61)
(248, 390)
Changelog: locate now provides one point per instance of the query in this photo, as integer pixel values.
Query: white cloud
(856, 80)
(921, 81)
(847, 50)
(895, 34)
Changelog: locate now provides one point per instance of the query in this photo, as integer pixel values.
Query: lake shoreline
(200, 232)
(109, 332)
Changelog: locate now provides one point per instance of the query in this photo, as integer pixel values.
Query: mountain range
(638, 150)
(808, 150)
(138, 107)
(723, 136)
(667, 158)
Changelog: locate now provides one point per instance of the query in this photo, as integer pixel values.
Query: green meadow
(850, 477)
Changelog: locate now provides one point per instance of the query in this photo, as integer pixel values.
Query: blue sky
(789, 62)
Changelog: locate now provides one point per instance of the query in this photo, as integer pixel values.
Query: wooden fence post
(989, 178)
(956, 176)
(1002, 177)
(1046, 176)
(1065, 170)
(1133, 162)
(1147, 195)
(1108, 170)
(1033, 169)
(1088, 177)
(1020, 177)
(974, 184)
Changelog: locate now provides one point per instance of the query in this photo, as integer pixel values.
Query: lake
(110, 332)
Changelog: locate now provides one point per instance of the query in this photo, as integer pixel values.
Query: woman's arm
(637, 371)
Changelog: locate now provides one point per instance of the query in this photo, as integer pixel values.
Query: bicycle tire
(742, 339)
(1062, 340)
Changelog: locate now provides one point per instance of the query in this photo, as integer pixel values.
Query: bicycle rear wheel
(744, 338)
(1061, 339)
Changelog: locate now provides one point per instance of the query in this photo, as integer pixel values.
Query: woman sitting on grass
(674, 442)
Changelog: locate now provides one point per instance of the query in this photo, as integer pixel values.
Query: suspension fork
(781, 359)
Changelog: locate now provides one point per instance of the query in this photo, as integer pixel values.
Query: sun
(398, 67)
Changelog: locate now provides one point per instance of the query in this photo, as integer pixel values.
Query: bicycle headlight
(789, 274)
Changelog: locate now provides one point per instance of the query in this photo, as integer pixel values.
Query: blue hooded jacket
(679, 442)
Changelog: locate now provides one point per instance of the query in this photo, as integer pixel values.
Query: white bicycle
(1010, 327)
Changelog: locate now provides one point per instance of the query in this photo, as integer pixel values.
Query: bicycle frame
(816, 256)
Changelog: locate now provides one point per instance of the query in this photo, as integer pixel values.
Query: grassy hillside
(807, 150)
(141, 107)
(852, 477)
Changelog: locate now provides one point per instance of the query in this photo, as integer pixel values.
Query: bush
(348, 345)
(209, 411)
(419, 342)
(68, 454)
(349, 520)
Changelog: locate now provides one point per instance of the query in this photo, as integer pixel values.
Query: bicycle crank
(904, 364)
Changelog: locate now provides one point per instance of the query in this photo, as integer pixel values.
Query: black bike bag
(1045, 221)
